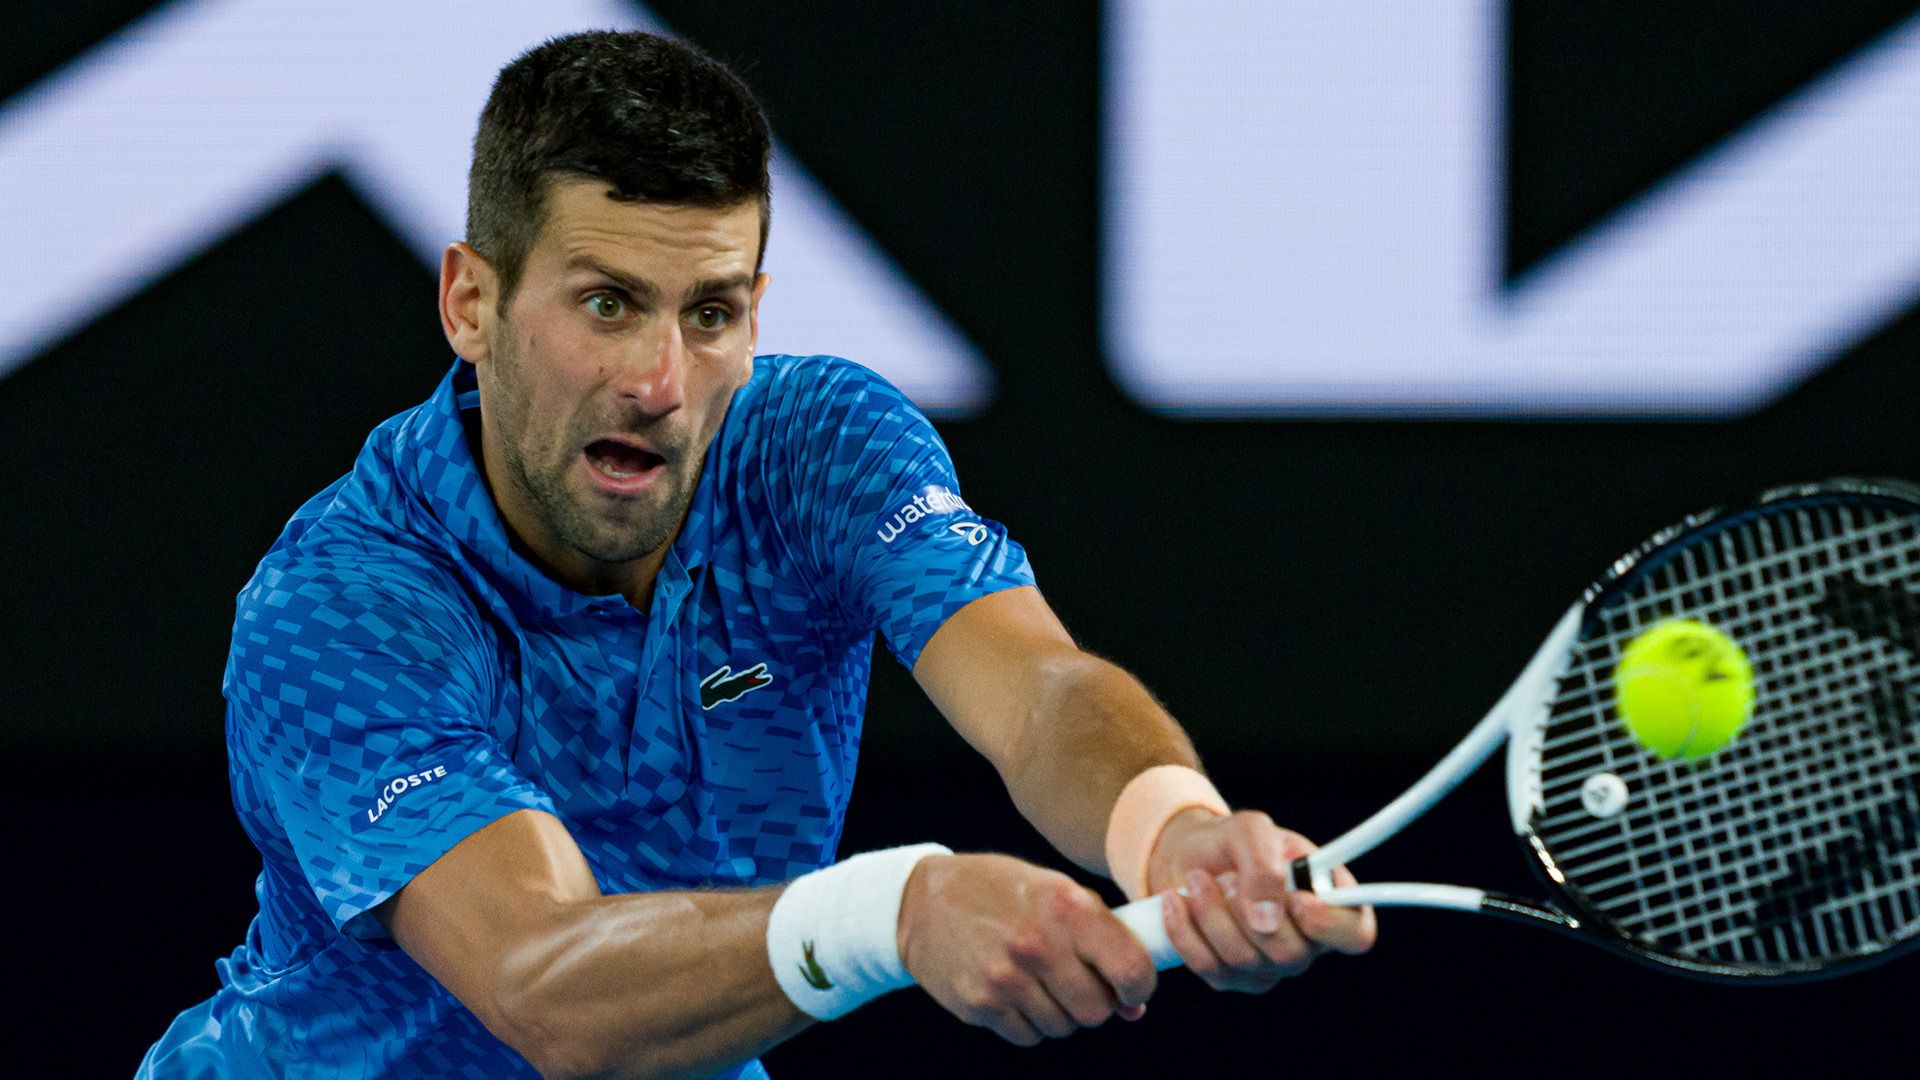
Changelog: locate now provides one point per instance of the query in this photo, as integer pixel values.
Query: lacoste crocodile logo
(724, 685)
(811, 971)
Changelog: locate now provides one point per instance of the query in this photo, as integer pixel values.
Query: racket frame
(1519, 720)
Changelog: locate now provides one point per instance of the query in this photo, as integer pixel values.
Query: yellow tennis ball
(1685, 689)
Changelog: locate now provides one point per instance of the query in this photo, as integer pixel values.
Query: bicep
(988, 667)
(465, 916)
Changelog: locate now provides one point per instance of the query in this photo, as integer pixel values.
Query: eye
(710, 317)
(606, 305)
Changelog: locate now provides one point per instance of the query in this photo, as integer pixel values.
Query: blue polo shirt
(400, 676)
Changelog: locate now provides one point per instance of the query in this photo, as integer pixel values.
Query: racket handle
(1145, 919)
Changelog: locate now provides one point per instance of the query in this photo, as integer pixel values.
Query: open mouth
(623, 463)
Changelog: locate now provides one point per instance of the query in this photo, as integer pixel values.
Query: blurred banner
(193, 121)
(1315, 191)
(1304, 212)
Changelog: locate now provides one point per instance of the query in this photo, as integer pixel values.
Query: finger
(1117, 958)
(1083, 992)
(1045, 1014)
(1263, 853)
(1011, 1025)
(1350, 930)
(1188, 941)
(1244, 967)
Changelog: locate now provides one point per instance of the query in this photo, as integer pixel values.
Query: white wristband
(833, 935)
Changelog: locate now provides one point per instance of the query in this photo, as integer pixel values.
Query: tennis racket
(1793, 852)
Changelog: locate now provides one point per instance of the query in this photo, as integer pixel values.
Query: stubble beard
(605, 531)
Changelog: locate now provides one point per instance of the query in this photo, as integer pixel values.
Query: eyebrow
(641, 289)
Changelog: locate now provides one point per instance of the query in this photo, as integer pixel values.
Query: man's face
(609, 372)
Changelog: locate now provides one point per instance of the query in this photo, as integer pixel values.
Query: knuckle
(979, 1007)
(1027, 949)
(1001, 978)
(1069, 900)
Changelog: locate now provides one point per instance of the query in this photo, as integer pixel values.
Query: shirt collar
(441, 464)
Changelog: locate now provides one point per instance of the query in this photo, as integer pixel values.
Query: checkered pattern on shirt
(393, 631)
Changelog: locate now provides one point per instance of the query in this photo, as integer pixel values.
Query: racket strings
(1801, 841)
(1797, 814)
(1807, 822)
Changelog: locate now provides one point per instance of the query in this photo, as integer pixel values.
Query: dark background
(1325, 604)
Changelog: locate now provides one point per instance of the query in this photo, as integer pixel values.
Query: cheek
(720, 376)
(546, 391)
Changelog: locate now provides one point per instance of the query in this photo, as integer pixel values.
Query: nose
(653, 376)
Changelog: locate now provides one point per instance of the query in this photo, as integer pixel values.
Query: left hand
(1229, 911)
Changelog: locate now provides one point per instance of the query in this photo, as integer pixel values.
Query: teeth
(611, 471)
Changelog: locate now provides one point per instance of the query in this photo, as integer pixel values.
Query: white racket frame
(1519, 719)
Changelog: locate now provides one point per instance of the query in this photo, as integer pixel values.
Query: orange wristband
(1146, 804)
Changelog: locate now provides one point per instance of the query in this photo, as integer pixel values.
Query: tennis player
(544, 717)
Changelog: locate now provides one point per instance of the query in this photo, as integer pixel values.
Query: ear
(469, 291)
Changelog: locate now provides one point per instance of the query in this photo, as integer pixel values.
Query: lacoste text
(398, 786)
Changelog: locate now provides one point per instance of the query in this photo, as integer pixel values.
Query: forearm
(648, 984)
(1090, 729)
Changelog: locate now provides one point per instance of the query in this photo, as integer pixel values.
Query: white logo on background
(197, 118)
(1304, 212)
(932, 502)
(974, 532)
(399, 786)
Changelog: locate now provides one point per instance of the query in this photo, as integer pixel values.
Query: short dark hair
(658, 120)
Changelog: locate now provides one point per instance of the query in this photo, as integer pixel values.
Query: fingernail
(1196, 882)
(1229, 884)
(1264, 917)
(1132, 1012)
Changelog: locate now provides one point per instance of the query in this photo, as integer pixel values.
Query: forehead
(657, 239)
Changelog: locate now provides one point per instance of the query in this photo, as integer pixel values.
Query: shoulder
(369, 539)
(791, 386)
(363, 561)
(301, 609)
(816, 411)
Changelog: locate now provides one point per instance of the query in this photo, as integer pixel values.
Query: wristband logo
(811, 971)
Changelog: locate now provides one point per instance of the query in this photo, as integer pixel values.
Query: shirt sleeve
(359, 700)
(881, 516)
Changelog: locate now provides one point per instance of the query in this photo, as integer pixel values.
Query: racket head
(1793, 852)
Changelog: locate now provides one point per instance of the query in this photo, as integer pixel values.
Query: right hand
(1019, 949)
